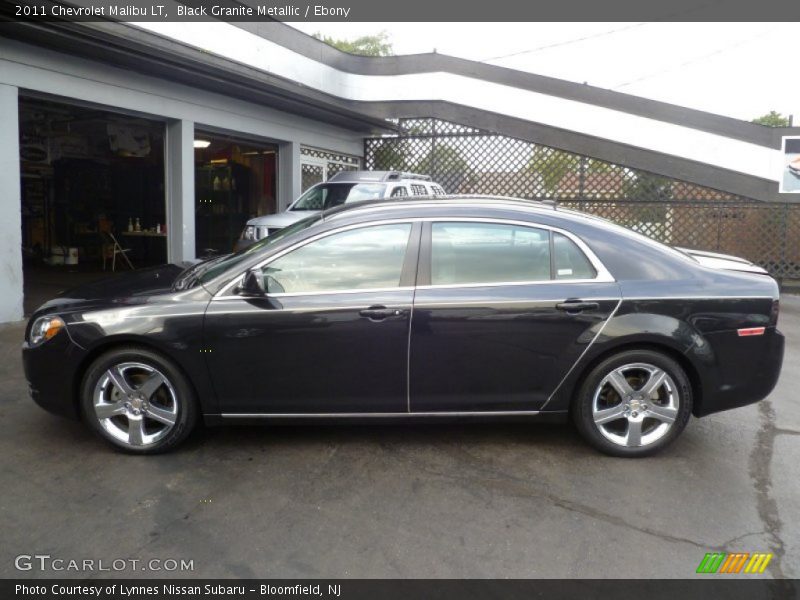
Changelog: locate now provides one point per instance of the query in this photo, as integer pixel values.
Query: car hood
(134, 287)
(283, 219)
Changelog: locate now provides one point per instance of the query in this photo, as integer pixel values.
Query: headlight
(249, 233)
(45, 328)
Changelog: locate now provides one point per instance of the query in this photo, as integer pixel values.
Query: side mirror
(253, 283)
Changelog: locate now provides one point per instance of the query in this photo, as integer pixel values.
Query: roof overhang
(276, 65)
(137, 50)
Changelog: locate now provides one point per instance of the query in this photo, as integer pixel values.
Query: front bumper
(51, 371)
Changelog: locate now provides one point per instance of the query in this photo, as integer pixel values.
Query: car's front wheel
(138, 401)
(633, 404)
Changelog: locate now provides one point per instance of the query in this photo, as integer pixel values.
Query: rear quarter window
(569, 261)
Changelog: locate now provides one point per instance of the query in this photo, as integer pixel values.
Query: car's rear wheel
(634, 403)
(138, 401)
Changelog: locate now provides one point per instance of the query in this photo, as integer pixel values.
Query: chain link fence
(465, 160)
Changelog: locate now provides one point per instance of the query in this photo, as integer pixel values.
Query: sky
(741, 70)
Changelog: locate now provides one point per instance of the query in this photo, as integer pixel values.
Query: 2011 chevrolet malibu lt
(454, 308)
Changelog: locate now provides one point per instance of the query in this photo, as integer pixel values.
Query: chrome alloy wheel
(635, 405)
(135, 403)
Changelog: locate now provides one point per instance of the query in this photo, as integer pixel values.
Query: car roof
(441, 203)
(544, 212)
(376, 176)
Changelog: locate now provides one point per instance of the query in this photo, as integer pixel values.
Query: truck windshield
(328, 195)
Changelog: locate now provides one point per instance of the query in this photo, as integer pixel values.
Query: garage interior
(235, 180)
(93, 200)
(92, 195)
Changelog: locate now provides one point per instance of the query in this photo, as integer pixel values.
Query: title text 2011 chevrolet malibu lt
(423, 309)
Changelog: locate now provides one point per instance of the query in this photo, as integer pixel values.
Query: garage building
(126, 146)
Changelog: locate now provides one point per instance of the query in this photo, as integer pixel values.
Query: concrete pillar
(179, 186)
(10, 213)
(289, 175)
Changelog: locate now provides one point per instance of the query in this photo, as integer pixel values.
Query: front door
(501, 314)
(331, 336)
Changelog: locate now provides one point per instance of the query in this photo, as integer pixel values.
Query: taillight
(751, 331)
(773, 316)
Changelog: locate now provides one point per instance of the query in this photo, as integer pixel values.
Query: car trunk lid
(725, 262)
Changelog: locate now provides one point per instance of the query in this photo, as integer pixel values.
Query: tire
(616, 411)
(138, 401)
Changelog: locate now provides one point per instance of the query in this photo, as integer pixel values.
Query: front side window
(465, 253)
(365, 258)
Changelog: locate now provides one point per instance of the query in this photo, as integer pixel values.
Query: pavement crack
(784, 431)
(760, 470)
(726, 546)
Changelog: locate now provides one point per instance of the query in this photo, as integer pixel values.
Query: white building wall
(10, 217)
(36, 71)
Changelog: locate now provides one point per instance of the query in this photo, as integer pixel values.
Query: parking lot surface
(465, 500)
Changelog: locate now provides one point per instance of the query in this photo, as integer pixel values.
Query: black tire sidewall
(187, 406)
(582, 404)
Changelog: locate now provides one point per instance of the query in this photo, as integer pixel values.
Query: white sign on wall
(790, 178)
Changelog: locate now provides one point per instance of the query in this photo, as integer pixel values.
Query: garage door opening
(92, 189)
(234, 181)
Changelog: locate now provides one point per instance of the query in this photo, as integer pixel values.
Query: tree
(553, 166)
(445, 165)
(647, 187)
(366, 45)
(772, 119)
(390, 156)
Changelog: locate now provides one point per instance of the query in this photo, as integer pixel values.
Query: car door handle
(379, 313)
(576, 306)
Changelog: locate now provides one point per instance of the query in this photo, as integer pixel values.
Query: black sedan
(455, 308)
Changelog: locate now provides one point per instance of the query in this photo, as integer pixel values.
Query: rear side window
(477, 253)
(464, 253)
(569, 261)
(399, 191)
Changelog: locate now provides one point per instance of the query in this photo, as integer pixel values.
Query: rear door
(502, 311)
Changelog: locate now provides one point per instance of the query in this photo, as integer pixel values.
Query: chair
(111, 247)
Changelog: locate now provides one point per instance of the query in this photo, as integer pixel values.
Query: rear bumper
(746, 370)
(50, 371)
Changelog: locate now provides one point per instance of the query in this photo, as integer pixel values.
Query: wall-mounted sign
(790, 178)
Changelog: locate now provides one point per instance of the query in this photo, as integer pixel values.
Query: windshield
(328, 195)
(208, 270)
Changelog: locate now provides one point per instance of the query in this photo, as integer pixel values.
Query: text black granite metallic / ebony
(433, 308)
